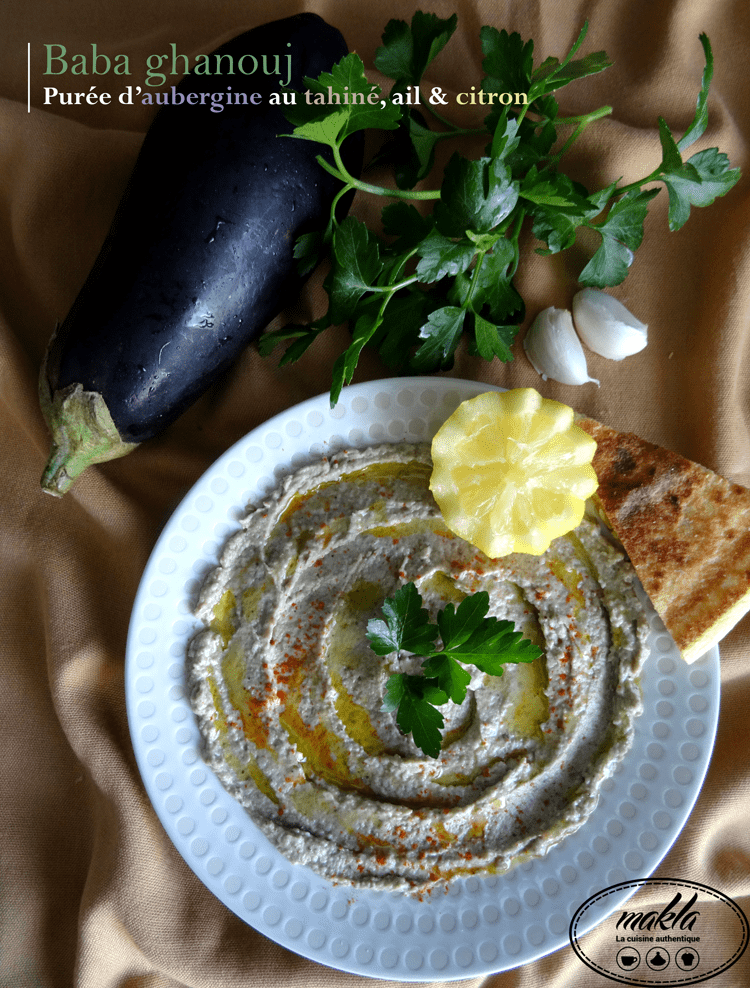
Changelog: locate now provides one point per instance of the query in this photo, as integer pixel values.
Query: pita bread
(686, 530)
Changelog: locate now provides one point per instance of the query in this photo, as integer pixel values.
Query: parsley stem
(514, 240)
(438, 116)
(582, 122)
(334, 205)
(340, 172)
(461, 132)
(522, 113)
(653, 177)
(453, 130)
(603, 111)
(474, 279)
(393, 288)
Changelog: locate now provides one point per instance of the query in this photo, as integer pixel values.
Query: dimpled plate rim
(477, 926)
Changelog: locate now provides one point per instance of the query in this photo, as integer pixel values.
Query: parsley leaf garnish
(414, 700)
(331, 123)
(508, 61)
(476, 196)
(406, 626)
(417, 283)
(408, 49)
(621, 233)
(468, 637)
(358, 271)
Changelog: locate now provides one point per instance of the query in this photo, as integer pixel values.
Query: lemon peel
(512, 471)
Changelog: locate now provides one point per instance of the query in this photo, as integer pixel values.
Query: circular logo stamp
(671, 932)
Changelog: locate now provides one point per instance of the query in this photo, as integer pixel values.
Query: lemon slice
(511, 471)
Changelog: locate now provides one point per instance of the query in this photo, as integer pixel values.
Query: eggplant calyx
(83, 433)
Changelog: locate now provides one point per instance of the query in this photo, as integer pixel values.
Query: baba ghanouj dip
(289, 694)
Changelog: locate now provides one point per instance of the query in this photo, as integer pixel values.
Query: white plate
(481, 925)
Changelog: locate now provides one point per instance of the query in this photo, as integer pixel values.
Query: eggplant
(199, 257)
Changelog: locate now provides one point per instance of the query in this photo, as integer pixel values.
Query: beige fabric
(92, 891)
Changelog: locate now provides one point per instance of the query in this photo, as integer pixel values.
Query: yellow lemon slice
(511, 471)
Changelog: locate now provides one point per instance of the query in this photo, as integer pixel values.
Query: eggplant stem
(83, 433)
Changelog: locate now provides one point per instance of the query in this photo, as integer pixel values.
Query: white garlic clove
(554, 349)
(606, 326)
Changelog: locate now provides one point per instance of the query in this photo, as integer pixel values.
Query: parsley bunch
(468, 637)
(413, 289)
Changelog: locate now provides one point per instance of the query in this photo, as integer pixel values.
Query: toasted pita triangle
(686, 530)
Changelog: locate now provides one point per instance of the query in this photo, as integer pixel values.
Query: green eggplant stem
(83, 433)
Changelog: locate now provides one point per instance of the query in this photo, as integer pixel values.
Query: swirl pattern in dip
(288, 693)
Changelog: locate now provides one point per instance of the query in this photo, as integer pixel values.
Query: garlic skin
(606, 326)
(554, 349)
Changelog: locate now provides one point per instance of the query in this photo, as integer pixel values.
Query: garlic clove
(554, 349)
(606, 326)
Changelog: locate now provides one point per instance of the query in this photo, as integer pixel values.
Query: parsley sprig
(414, 288)
(467, 637)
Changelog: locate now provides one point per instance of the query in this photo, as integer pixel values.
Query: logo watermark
(688, 933)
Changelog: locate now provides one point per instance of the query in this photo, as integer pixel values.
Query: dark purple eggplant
(199, 258)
